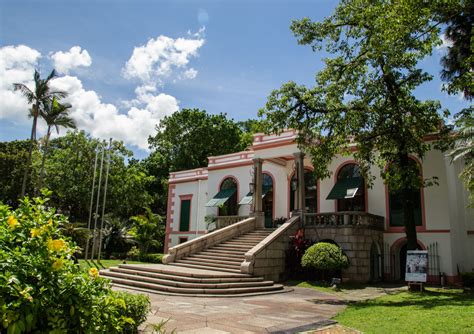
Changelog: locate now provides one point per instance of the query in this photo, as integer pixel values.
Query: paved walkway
(299, 310)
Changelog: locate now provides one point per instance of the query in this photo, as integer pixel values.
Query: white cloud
(155, 61)
(67, 61)
(445, 44)
(103, 120)
(100, 119)
(17, 65)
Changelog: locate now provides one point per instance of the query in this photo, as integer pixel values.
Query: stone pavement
(297, 311)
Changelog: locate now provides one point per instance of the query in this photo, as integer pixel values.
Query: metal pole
(105, 196)
(98, 200)
(92, 201)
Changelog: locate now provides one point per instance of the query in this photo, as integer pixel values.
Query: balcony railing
(223, 221)
(351, 218)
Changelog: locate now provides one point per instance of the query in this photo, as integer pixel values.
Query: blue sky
(237, 52)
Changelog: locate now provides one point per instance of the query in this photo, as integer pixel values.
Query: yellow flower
(93, 272)
(12, 222)
(50, 222)
(56, 245)
(58, 264)
(36, 232)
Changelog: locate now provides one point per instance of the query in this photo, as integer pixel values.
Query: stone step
(226, 251)
(217, 278)
(238, 259)
(241, 242)
(169, 282)
(236, 245)
(227, 255)
(234, 295)
(249, 239)
(197, 291)
(214, 260)
(205, 267)
(231, 248)
(171, 269)
(210, 263)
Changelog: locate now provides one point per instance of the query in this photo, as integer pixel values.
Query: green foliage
(42, 290)
(151, 258)
(325, 256)
(185, 140)
(364, 96)
(458, 63)
(13, 156)
(468, 279)
(138, 306)
(133, 253)
(69, 172)
(148, 231)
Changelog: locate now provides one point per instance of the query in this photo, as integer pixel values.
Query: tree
(458, 63)
(148, 230)
(364, 95)
(12, 164)
(55, 115)
(183, 141)
(37, 97)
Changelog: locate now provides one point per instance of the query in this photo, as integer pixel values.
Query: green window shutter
(185, 215)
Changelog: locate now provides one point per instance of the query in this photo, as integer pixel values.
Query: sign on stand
(417, 266)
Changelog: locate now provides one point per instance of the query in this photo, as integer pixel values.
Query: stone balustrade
(267, 259)
(224, 221)
(345, 218)
(210, 239)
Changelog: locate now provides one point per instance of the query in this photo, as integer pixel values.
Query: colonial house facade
(272, 183)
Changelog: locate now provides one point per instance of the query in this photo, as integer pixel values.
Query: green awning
(247, 199)
(221, 197)
(346, 188)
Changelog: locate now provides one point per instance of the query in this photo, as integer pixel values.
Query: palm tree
(37, 97)
(55, 115)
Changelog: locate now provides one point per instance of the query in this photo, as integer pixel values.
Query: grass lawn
(103, 264)
(324, 288)
(432, 311)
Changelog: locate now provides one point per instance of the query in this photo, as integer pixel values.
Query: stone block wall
(268, 258)
(356, 242)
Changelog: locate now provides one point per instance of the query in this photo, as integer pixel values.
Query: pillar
(300, 204)
(257, 194)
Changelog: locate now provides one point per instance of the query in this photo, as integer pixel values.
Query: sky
(126, 64)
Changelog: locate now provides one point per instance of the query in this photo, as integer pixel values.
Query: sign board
(417, 266)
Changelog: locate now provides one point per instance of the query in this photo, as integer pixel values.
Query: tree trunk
(43, 159)
(408, 208)
(30, 153)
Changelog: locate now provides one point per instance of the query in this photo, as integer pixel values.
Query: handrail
(210, 239)
(223, 221)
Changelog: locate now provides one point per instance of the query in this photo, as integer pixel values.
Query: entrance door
(268, 200)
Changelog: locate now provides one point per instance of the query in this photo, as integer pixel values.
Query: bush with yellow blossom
(43, 290)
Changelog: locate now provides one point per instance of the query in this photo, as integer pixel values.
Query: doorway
(268, 200)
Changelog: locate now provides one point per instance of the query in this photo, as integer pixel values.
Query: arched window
(230, 207)
(396, 215)
(349, 190)
(311, 191)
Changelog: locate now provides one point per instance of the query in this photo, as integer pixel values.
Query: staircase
(212, 272)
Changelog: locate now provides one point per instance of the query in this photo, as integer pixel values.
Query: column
(257, 194)
(300, 204)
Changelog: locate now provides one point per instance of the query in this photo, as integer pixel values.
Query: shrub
(133, 253)
(42, 290)
(325, 256)
(152, 258)
(138, 306)
(468, 279)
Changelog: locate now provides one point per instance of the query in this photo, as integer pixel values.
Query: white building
(222, 189)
